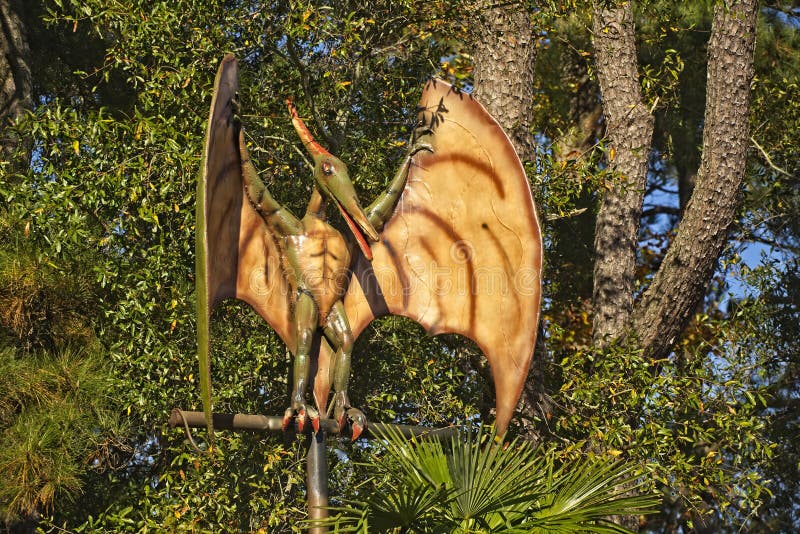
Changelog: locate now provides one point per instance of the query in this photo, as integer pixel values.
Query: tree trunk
(585, 110)
(629, 127)
(504, 56)
(15, 79)
(680, 284)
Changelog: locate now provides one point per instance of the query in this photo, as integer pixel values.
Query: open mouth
(356, 231)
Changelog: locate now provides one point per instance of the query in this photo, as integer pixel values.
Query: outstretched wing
(462, 252)
(236, 253)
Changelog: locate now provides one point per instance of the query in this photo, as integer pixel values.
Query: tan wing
(462, 252)
(236, 254)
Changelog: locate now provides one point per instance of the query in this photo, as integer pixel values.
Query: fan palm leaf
(478, 484)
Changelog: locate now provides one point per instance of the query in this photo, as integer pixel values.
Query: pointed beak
(344, 196)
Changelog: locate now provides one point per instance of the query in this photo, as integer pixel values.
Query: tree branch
(330, 139)
(769, 159)
(661, 210)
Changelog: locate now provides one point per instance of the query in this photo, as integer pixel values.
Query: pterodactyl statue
(453, 243)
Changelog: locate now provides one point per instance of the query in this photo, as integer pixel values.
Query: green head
(333, 181)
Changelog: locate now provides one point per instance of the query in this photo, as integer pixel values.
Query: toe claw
(287, 419)
(358, 422)
(299, 414)
(346, 415)
(313, 414)
(341, 420)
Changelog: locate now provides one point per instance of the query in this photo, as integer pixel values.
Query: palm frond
(587, 494)
(480, 484)
(422, 460)
(492, 478)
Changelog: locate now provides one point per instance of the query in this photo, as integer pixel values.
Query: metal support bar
(317, 480)
(274, 425)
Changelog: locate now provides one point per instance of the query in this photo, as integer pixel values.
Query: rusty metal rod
(274, 425)
(317, 481)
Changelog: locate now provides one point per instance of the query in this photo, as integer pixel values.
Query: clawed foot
(344, 414)
(357, 420)
(303, 414)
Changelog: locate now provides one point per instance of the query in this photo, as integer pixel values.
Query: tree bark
(504, 50)
(679, 285)
(15, 79)
(629, 127)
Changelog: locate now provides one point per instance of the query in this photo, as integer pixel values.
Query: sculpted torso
(318, 261)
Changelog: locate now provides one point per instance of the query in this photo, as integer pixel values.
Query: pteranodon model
(453, 243)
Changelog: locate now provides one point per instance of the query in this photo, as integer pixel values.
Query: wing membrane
(236, 253)
(462, 252)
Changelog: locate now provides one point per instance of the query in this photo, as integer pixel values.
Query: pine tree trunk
(680, 284)
(503, 43)
(629, 128)
(504, 57)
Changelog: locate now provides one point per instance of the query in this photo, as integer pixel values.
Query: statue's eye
(327, 168)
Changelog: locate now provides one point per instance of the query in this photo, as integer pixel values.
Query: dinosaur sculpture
(453, 243)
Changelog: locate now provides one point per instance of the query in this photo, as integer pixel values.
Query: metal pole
(317, 480)
(274, 425)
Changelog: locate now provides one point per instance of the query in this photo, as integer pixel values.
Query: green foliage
(480, 484)
(252, 487)
(57, 420)
(775, 320)
(694, 420)
(395, 351)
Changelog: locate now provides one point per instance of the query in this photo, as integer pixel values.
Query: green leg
(337, 331)
(306, 318)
